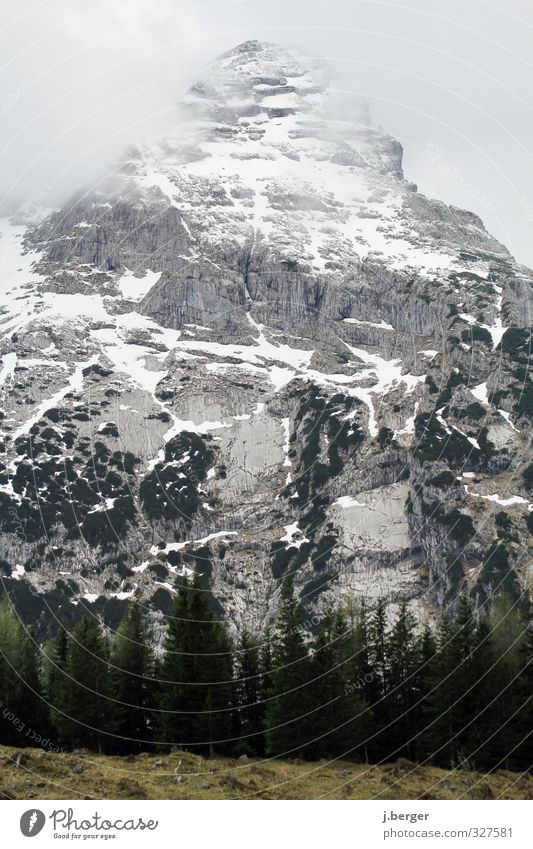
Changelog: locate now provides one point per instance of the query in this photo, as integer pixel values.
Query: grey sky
(453, 81)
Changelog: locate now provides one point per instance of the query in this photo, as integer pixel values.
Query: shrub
(516, 342)
(443, 480)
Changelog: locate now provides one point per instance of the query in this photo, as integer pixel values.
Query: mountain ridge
(255, 349)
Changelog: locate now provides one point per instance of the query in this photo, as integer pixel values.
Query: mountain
(255, 349)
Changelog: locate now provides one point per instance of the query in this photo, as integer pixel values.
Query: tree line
(359, 688)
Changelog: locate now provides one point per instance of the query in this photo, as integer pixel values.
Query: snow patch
(136, 288)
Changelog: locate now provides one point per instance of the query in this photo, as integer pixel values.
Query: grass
(47, 775)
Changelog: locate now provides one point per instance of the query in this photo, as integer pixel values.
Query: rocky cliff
(256, 350)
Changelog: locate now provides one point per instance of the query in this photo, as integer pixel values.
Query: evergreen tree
(82, 715)
(427, 648)
(359, 673)
(522, 755)
(265, 662)
(376, 687)
(197, 670)
(377, 636)
(340, 719)
(286, 720)
(22, 714)
(53, 673)
(360, 682)
(131, 681)
(326, 695)
(449, 703)
(401, 681)
(175, 670)
(479, 703)
(249, 702)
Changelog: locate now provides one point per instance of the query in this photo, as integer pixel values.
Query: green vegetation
(443, 480)
(497, 572)
(386, 438)
(360, 687)
(171, 489)
(461, 526)
(524, 404)
(516, 342)
(434, 442)
(184, 775)
(195, 688)
(87, 494)
(527, 476)
(476, 333)
(456, 378)
(315, 419)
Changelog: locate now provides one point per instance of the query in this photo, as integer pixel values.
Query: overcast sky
(452, 80)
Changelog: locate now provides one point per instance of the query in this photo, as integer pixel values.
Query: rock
(79, 768)
(295, 284)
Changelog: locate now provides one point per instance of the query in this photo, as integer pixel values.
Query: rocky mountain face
(256, 350)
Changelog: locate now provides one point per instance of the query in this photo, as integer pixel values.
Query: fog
(452, 81)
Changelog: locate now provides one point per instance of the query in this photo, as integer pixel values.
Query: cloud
(80, 81)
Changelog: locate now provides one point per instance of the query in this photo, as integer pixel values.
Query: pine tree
(326, 695)
(83, 711)
(360, 681)
(377, 685)
(450, 701)
(266, 662)
(213, 654)
(174, 672)
(286, 720)
(424, 676)
(53, 673)
(340, 719)
(401, 681)
(489, 736)
(131, 681)
(479, 702)
(249, 703)
(22, 715)
(509, 639)
(197, 669)
(522, 756)
(377, 635)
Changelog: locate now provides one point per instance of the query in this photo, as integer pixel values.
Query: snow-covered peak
(266, 151)
(266, 64)
(267, 156)
(259, 78)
